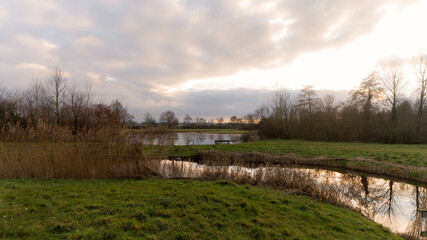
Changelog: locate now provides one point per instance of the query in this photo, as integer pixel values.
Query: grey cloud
(144, 44)
(174, 41)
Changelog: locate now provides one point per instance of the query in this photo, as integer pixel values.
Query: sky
(205, 57)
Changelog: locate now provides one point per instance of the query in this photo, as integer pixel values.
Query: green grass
(237, 131)
(405, 154)
(170, 209)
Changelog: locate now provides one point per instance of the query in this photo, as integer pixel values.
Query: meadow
(404, 154)
(170, 209)
(66, 189)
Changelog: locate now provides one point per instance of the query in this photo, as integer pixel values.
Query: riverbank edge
(254, 158)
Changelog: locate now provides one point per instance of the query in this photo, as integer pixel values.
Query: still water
(191, 138)
(389, 202)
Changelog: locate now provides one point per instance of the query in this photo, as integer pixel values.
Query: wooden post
(423, 212)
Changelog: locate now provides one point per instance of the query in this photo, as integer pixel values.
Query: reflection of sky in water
(392, 204)
(198, 138)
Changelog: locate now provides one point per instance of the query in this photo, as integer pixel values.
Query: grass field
(405, 154)
(170, 209)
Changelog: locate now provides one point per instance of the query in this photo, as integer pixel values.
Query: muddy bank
(416, 174)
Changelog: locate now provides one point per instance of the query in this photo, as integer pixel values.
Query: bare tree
(393, 83)
(281, 106)
(364, 98)
(187, 120)
(88, 110)
(149, 119)
(420, 67)
(262, 112)
(54, 92)
(200, 121)
(307, 100)
(369, 91)
(168, 118)
(121, 112)
(249, 119)
(75, 106)
(220, 120)
(33, 102)
(9, 103)
(329, 105)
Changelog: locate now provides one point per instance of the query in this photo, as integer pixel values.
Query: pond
(389, 202)
(191, 138)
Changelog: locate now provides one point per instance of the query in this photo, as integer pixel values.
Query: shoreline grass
(170, 209)
(404, 154)
(402, 161)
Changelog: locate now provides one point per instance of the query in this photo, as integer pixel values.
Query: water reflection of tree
(341, 188)
(187, 138)
(368, 200)
(373, 197)
(415, 225)
(365, 187)
(387, 201)
(213, 137)
(163, 139)
(200, 137)
(368, 195)
(359, 193)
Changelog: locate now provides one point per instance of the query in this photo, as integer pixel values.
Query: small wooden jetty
(222, 141)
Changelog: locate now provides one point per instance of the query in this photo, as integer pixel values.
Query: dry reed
(74, 160)
(56, 152)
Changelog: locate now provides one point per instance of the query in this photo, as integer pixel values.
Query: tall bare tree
(365, 97)
(420, 67)
(368, 91)
(121, 112)
(307, 100)
(33, 102)
(187, 120)
(393, 83)
(149, 120)
(220, 120)
(55, 92)
(281, 107)
(76, 106)
(88, 110)
(169, 119)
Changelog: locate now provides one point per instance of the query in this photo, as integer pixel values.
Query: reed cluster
(74, 160)
(49, 151)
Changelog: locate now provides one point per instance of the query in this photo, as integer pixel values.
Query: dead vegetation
(251, 159)
(55, 152)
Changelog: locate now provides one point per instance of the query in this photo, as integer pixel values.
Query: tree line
(378, 110)
(169, 119)
(55, 102)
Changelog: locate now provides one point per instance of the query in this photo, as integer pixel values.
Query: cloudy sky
(204, 57)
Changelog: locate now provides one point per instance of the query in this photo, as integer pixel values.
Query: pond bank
(390, 202)
(410, 173)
